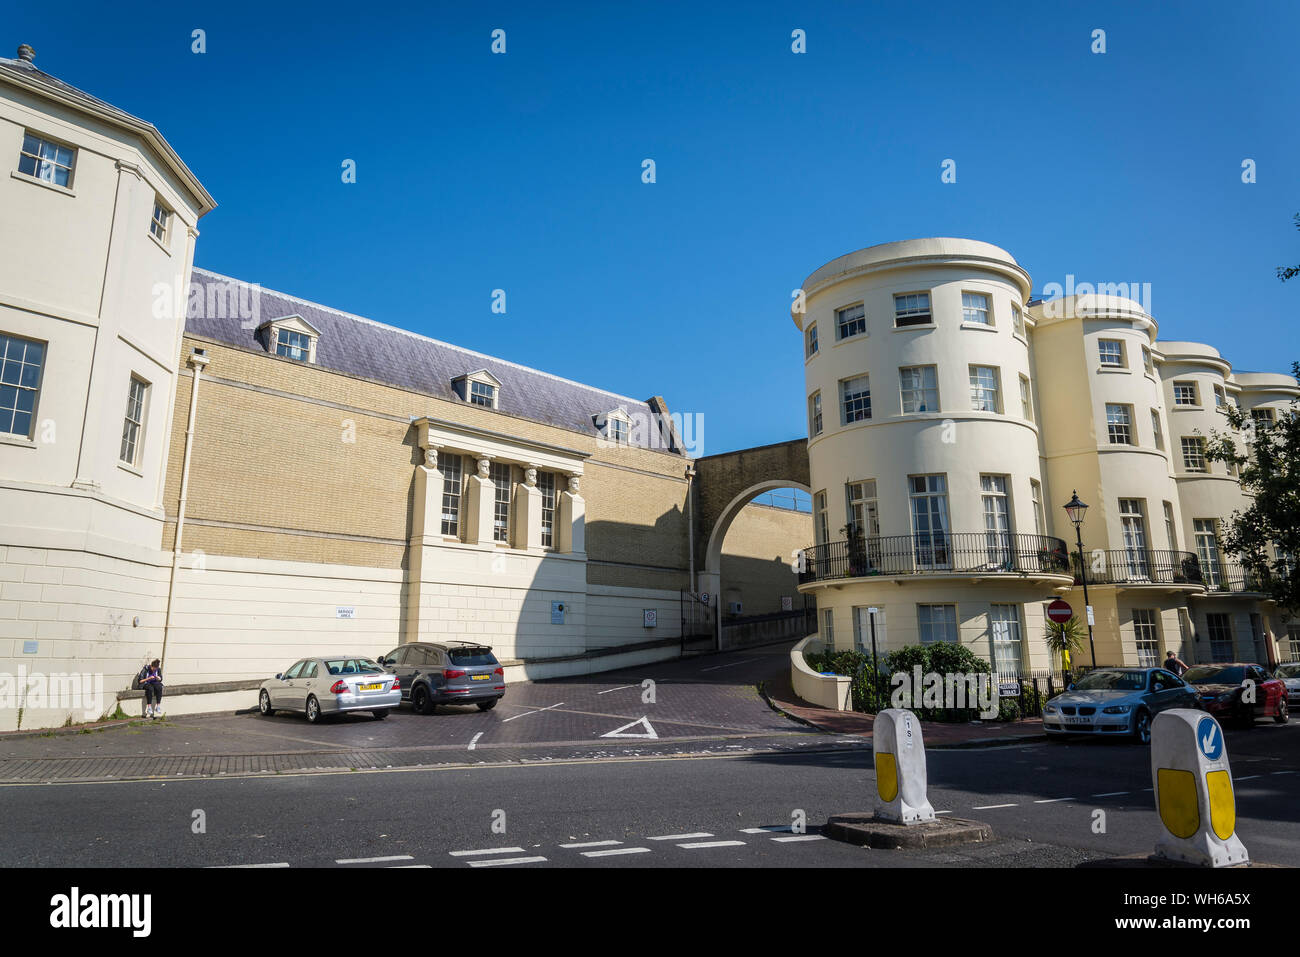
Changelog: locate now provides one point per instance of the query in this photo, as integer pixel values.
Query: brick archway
(725, 484)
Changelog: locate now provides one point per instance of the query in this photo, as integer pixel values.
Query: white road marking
(943, 812)
(237, 866)
(1248, 777)
(474, 740)
(1054, 800)
(619, 688)
(538, 711)
(622, 732)
(398, 867)
(376, 860)
(1281, 772)
(799, 837)
(771, 828)
(487, 850)
(493, 862)
(591, 844)
(728, 665)
(699, 844)
(1109, 794)
(617, 850)
(991, 807)
(679, 837)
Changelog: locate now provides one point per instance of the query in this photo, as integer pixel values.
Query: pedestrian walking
(151, 682)
(1175, 664)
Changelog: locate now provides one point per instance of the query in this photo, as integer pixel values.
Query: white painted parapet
(825, 691)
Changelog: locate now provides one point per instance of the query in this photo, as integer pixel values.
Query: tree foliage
(1266, 535)
(1289, 272)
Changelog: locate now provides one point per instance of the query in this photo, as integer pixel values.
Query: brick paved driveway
(702, 705)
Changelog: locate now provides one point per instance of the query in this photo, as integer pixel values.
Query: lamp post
(1076, 509)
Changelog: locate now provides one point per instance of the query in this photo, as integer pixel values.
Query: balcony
(940, 553)
(1234, 578)
(1136, 566)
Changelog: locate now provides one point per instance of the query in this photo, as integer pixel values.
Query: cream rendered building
(950, 418)
(230, 478)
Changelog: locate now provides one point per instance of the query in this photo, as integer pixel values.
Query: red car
(1223, 691)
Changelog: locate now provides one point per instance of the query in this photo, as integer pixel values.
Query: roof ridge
(416, 335)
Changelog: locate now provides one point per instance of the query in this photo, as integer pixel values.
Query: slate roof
(361, 347)
(26, 70)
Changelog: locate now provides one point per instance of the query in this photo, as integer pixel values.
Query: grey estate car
(331, 685)
(446, 672)
(1117, 702)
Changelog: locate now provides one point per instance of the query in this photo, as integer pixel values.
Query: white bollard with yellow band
(900, 768)
(1193, 787)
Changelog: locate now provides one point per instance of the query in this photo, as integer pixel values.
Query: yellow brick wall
(756, 557)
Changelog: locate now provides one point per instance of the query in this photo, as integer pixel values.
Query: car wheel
(264, 703)
(379, 714)
(1283, 715)
(313, 710)
(1142, 727)
(487, 705)
(421, 700)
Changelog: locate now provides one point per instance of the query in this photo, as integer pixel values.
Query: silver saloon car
(1289, 674)
(331, 685)
(1116, 702)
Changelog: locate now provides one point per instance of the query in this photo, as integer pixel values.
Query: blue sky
(523, 171)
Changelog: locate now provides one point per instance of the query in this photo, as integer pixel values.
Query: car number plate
(371, 687)
(1077, 721)
(480, 677)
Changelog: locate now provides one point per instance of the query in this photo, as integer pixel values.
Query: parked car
(446, 672)
(332, 685)
(1222, 689)
(1116, 702)
(1289, 675)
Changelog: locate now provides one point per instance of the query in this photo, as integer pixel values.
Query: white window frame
(1194, 460)
(452, 466)
(815, 414)
(973, 312)
(45, 168)
(928, 620)
(1120, 355)
(1146, 636)
(1119, 423)
(16, 373)
(810, 339)
(137, 406)
(295, 325)
(1157, 430)
(855, 406)
(985, 381)
(927, 377)
(912, 309)
(1187, 394)
(847, 327)
(1005, 631)
(160, 224)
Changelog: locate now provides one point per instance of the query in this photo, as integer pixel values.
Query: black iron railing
(990, 553)
(1139, 566)
(1232, 576)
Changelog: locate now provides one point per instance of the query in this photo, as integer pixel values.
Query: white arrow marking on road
(474, 740)
(620, 732)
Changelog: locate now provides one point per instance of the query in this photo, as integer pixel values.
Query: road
(703, 811)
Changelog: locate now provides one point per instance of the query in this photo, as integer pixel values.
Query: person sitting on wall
(151, 681)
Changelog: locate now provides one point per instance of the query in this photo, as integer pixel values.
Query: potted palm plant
(1065, 639)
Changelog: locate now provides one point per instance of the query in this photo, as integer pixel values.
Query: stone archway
(728, 482)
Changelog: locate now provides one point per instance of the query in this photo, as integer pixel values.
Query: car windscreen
(471, 656)
(1215, 675)
(352, 666)
(1112, 681)
(1288, 671)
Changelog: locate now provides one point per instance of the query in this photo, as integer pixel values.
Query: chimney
(26, 53)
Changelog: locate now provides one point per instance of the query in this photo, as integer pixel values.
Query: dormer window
(290, 337)
(478, 388)
(615, 426)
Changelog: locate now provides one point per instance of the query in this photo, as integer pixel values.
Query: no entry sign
(1059, 611)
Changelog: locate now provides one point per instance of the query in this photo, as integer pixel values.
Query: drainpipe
(690, 538)
(198, 360)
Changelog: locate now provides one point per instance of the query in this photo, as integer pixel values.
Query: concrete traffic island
(901, 816)
(865, 829)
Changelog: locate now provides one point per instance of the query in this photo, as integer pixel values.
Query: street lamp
(1076, 509)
